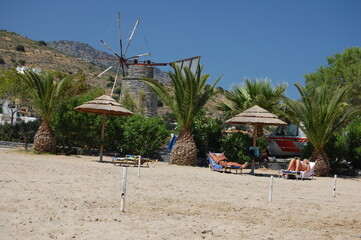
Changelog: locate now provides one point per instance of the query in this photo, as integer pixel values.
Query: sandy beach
(76, 197)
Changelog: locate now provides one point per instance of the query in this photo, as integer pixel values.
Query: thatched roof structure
(256, 115)
(104, 105)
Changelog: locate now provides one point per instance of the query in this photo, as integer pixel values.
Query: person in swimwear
(297, 165)
(221, 159)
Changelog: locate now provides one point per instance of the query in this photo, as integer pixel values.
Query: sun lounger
(219, 168)
(300, 174)
(132, 160)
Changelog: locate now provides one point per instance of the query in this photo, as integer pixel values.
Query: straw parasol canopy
(105, 106)
(256, 116)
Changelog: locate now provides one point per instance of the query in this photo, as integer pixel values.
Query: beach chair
(219, 168)
(300, 174)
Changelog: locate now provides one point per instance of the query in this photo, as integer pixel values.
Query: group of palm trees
(318, 113)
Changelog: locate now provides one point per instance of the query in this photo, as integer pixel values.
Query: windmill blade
(120, 36)
(106, 70)
(115, 81)
(106, 45)
(140, 55)
(131, 35)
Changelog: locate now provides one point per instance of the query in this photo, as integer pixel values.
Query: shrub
(143, 136)
(125, 135)
(20, 48)
(207, 134)
(19, 131)
(2, 61)
(236, 146)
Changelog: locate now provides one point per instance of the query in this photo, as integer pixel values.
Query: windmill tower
(133, 88)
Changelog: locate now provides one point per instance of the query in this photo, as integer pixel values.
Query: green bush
(2, 61)
(143, 136)
(124, 135)
(207, 134)
(19, 131)
(236, 146)
(41, 43)
(22, 62)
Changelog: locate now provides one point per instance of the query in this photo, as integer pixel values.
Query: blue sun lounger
(219, 168)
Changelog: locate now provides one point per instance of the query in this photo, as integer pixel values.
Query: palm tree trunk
(322, 167)
(184, 151)
(44, 140)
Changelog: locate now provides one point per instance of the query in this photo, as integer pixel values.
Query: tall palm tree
(46, 93)
(186, 98)
(320, 112)
(253, 92)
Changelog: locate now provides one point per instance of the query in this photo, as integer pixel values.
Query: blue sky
(281, 40)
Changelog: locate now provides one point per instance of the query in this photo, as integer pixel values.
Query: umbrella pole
(254, 147)
(102, 139)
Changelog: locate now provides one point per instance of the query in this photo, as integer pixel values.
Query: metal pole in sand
(124, 188)
(139, 163)
(270, 189)
(334, 186)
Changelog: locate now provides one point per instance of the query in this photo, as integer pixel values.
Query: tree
(253, 92)
(318, 114)
(12, 90)
(342, 70)
(20, 48)
(186, 98)
(46, 93)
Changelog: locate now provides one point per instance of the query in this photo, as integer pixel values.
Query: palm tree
(186, 98)
(320, 112)
(251, 93)
(46, 93)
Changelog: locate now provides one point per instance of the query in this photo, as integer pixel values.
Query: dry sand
(76, 197)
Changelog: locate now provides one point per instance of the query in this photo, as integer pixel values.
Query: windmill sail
(191, 63)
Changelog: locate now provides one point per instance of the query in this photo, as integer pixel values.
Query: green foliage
(18, 132)
(319, 113)
(12, 87)
(125, 135)
(109, 85)
(45, 92)
(187, 96)
(117, 90)
(353, 139)
(253, 92)
(342, 70)
(2, 61)
(170, 121)
(143, 136)
(77, 129)
(236, 146)
(207, 134)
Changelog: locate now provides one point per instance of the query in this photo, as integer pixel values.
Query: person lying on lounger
(220, 159)
(297, 165)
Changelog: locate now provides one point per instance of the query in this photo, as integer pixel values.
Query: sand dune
(76, 197)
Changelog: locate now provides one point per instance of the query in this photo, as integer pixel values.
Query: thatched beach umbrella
(256, 116)
(105, 106)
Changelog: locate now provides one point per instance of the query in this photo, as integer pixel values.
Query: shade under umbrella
(105, 106)
(256, 116)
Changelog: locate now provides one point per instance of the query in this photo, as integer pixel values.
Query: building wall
(133, 84)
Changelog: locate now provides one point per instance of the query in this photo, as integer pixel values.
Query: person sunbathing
(297, 165)
(221, 159)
